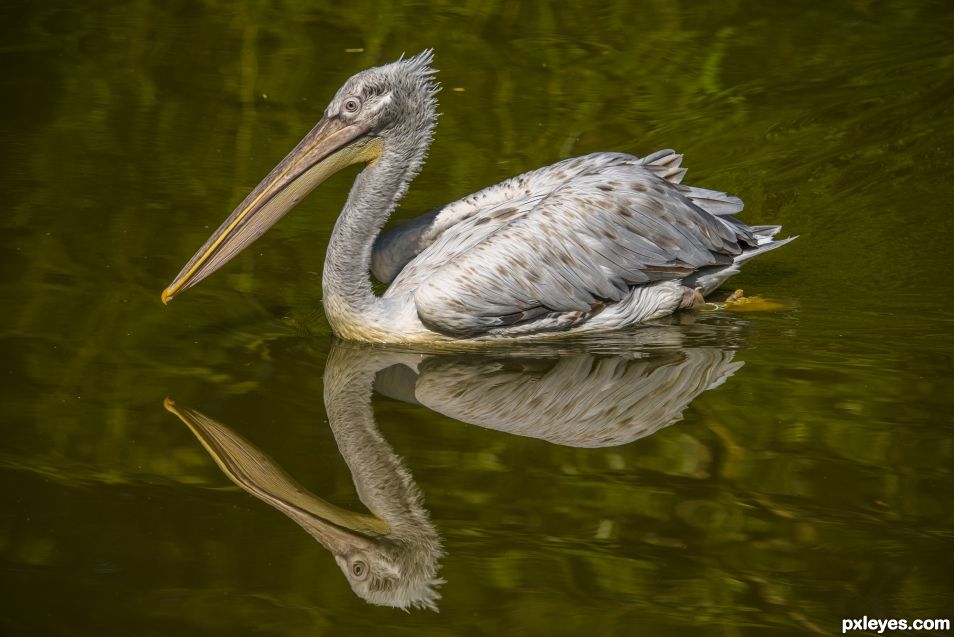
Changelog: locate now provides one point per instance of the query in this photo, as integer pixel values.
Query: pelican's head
(387, 109)
(396, 568)
(388, 573)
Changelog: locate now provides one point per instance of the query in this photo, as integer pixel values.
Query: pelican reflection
(390, 555)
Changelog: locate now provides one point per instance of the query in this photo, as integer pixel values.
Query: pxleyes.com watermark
(871, 624)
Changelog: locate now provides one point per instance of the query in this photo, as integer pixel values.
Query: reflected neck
(383, 483)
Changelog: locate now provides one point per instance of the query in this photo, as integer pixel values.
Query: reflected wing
(580, 401)
(571, 248)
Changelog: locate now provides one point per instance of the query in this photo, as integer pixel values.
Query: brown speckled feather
(570, 243)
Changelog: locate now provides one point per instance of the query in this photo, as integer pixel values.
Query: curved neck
(351, 306)
(409, 553)
(383, 483)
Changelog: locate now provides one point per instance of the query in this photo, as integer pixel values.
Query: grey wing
(395, 248)
(581, 401)
(569, 251)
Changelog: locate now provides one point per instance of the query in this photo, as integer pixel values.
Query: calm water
(813, 484)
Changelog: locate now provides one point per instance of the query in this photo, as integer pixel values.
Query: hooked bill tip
(166, 296)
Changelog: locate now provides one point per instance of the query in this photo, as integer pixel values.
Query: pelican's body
(591, 243)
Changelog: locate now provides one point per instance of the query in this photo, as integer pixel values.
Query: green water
(814, 484)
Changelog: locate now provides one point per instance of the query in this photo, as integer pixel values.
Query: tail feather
(708, 279)
(712, 201)
(665, 164)
(764, 233)
(766, 243)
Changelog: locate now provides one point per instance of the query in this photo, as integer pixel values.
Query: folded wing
(569, 250)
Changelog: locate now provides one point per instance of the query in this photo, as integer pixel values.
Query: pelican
(591, 243)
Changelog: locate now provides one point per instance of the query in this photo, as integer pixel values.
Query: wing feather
(394, 249)
(570, 245)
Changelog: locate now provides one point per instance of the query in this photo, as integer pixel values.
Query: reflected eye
(351, 105)
(359, 570)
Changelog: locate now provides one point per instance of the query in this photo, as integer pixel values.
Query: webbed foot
(738, 302)
(736, 297)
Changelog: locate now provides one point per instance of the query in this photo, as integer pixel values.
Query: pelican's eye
(351, 105)
(359, 570)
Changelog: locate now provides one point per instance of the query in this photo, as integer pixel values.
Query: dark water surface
(813, 484)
